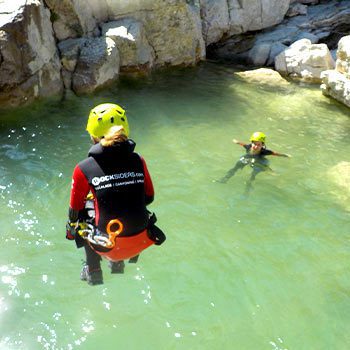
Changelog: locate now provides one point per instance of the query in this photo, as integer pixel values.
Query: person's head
(258, 141)
(103, 117)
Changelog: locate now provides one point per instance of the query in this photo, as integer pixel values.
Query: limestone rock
(336, 83)
(305, 61)
(97, 65)
(174, 31)
(215, 20)
(173, 28)
(264, 76)
(343, 56)
(255, 14)
(134, 49)
(77, 18)
(29, 62)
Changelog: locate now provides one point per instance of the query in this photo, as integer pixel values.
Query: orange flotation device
(113, 246)
(126, 247)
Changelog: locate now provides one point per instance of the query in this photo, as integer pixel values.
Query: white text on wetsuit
(112, 180)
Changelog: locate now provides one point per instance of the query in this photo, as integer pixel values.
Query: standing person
(121, 186)
(255, 156)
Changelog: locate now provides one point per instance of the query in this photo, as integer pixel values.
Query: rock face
(131, 40)
(85, 44)
(224, 18)
(304, 60)
(323, 23)
(29, 61)
(98, 65)
(47, 46)
(336, 83)
(167, 32)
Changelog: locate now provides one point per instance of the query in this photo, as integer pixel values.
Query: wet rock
(264, 76)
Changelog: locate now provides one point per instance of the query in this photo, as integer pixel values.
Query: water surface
(265, 271)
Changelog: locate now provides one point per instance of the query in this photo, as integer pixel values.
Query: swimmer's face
(257, 146)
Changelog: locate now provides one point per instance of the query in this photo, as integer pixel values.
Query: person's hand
(70, 230)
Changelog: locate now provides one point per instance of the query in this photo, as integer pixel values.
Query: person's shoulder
(95, 150)
(84, 162)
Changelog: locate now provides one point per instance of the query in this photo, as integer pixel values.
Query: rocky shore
(48, 47)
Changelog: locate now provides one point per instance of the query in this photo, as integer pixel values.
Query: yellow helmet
(103, 116)
(258, 136)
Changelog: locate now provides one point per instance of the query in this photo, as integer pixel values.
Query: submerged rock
(340, 176)
(264, 76)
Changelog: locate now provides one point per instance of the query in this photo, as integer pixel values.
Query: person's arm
(239, 142)
(149, 189)
(79, 191)
(280, 154)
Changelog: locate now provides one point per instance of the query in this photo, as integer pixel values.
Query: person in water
(255, 156)
(121, 187)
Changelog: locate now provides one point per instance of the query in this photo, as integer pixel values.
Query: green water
(269, 270)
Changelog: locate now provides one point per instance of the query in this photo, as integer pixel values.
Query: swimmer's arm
(239, 142)
(281, 154)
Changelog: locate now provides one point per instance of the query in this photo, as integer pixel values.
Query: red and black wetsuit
(121, 184)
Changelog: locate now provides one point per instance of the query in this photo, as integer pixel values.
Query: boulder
(264, 76)
(336, 82)
(305, 61)
(97, 65)
(336, 85)
(135, 51)
(343, 56)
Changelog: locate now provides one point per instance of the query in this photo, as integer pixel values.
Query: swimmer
(255, 157)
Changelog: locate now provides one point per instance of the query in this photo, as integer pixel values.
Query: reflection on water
(268, 271)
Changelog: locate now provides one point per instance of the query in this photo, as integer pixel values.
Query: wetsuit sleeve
(79, 191)
(279, 154)
(268, 152)
(149, 190)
